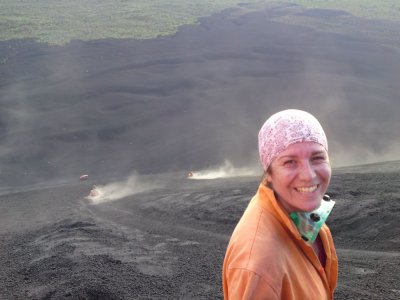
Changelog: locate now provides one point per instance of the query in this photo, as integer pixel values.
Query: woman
(268, 256)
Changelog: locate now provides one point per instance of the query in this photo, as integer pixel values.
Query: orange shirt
(267, 259)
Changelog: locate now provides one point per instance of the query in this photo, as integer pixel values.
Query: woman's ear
(268, 176)
(266, 179)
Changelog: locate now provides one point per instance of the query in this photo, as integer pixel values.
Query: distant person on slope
(281, 248)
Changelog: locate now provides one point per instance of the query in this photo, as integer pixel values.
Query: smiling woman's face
(300, 176)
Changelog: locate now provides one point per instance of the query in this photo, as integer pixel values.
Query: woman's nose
(307, 171)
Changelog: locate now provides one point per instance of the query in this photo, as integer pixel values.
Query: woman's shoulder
(255, 248)
(258, 236)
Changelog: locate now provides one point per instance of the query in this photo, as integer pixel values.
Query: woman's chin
(313, 205)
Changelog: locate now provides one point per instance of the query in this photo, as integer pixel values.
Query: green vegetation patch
(60, 21)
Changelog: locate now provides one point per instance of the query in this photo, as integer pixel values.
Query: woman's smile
(309, 189)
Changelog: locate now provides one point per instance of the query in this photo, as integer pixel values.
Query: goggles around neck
(309, 223)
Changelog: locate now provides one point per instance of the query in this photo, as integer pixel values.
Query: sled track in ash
(135, 220)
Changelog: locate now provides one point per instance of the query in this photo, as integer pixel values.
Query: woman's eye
(318, 158)
(290, 162)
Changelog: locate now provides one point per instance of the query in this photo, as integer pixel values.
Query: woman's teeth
(309, 189)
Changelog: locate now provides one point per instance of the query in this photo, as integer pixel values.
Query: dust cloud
(118, 190)
(226, 170)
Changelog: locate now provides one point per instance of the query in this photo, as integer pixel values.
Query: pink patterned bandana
(285, 128)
